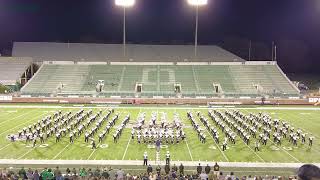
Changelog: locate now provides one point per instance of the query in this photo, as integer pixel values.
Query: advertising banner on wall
(314, 99)
(5, 98)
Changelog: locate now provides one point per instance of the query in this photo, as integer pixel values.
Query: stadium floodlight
(197, 3)
(124, 4)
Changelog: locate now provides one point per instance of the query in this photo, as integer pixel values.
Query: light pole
(124, 4)
(197, 3)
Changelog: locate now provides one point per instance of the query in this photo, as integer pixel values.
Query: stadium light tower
(197, 3)
(125, 4)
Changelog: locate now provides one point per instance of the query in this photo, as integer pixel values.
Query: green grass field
(13, 119)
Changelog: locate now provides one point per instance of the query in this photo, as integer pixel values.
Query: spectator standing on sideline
(82, 172)
(174, 168)
(204, 176)
(149, 169)
(120, 174)
(44, 174)
(216, 169)
(199, 169)
(22, 173)
(167, 168)
(29, 174)
(111, 173)
(36, 175)
(158, 169)
(57, 173)
(105, 173)
(50, 175)
(181, 169)
(207, 169)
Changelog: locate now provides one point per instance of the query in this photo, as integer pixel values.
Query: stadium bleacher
(159, 80)
(12, 68)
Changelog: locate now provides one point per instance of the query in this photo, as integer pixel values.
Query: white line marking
(225, 157)
(23, 114)
(137, 107)
(61, 151)
(287, 114)
(93, 152)
(32, 119)
(281, 147)
(125, 152)
(5, 146)
(25, 153)
(189, 150)
(254, 152)
(285, 151)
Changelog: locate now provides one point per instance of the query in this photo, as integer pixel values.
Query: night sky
(294, 25)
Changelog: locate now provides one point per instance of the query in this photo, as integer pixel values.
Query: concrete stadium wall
(178, 101)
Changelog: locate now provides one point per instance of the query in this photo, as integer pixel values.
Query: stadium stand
(306, 171)
(45, 51)
(159, 80)
(12, 69)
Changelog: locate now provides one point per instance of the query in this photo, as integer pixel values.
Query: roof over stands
(47, 51)
(11, 69)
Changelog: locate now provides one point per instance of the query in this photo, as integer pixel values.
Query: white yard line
(282, 148)
(57, 155)
(189, 150)
(254, 152)
(125, 152)
(32, 119)
(25, 153)
(64, 148)
(23, 114)
(302, 129)
(5, 146)
(289, 115)
(225, 157)
(93, 152)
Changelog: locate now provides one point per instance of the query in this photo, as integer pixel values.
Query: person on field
(168, 158)
(145, 158)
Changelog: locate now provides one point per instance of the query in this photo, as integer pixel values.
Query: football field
(15, 118)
